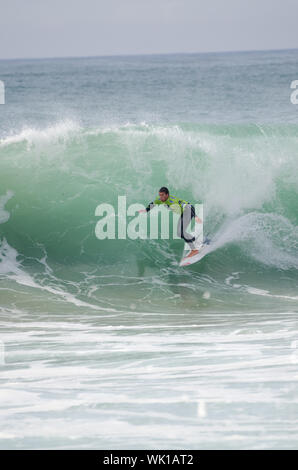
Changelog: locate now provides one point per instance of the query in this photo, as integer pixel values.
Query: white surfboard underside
(204, 249)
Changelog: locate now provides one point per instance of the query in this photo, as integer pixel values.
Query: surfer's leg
(183, 222)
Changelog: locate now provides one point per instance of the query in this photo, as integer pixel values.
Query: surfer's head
(163, 193)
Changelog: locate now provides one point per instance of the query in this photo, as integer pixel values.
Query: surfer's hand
(199, 220)
(142, 210)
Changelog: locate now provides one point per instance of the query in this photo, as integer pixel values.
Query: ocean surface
(109, 344)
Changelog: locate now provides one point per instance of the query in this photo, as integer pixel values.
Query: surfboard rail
(204, 249)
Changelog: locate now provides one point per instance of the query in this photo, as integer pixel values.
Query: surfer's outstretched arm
(148, 208)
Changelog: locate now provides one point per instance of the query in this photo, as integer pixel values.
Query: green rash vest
(172, 203)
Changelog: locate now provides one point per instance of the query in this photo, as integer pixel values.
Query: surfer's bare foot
(192, 253)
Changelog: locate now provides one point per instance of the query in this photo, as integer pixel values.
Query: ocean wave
(246, 176)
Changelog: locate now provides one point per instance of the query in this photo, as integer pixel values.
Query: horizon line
(149, 54)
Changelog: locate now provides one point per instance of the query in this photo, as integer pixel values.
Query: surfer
(186, 211)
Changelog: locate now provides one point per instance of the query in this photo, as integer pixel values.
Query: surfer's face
(163, 196)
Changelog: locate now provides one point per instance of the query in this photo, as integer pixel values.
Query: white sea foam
(11, 267)
(4, 214)
(52, 133)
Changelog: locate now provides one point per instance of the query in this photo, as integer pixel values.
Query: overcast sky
(55, 28)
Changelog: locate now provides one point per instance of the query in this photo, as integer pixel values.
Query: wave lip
(32, 135)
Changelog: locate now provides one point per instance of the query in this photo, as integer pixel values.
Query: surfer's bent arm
(150, 206)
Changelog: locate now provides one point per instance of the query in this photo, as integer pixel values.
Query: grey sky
(55, 28)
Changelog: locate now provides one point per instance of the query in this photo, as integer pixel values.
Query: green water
(109, 343)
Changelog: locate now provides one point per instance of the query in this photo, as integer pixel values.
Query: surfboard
(204, 248)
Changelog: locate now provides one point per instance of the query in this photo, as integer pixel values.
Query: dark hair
(164, 190)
